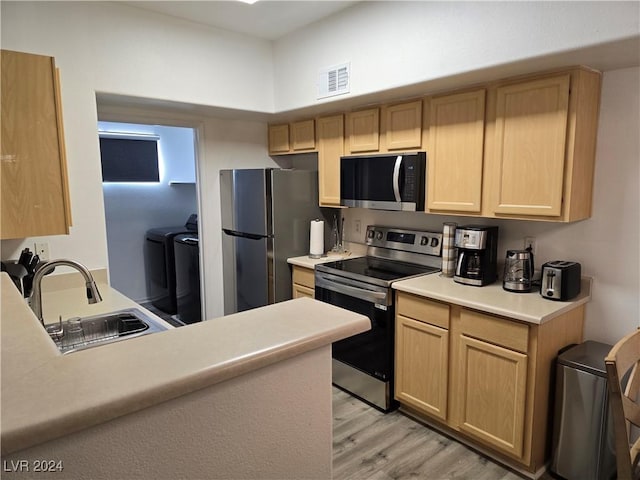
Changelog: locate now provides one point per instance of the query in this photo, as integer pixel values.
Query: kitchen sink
(80, 333)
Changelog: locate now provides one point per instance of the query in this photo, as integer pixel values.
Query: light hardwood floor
(370, 445)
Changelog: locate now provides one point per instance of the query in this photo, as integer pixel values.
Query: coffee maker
(477, 255)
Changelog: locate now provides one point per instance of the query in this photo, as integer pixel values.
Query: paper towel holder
(316, 245)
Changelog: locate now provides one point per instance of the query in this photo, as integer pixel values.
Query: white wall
(133, 208)
(607, 245)
(398, 43)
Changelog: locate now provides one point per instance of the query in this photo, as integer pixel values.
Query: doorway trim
(168, 118)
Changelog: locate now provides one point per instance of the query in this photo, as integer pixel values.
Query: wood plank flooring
(370, 445)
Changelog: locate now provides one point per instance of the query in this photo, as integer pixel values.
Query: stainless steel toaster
(560, 280)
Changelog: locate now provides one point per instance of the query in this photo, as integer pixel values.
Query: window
(129, 157)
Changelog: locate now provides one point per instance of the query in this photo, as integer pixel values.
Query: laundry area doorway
(150, 193)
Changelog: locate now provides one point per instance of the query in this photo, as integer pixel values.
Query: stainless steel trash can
(583, 444)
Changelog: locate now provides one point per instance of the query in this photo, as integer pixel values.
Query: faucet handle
(56, 332)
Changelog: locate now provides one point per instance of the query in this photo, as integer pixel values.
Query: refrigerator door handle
(250, 236)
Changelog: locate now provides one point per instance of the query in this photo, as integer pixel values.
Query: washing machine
(159, 261)
(187, 266)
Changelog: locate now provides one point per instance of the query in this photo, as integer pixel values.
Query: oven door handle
(376, 297)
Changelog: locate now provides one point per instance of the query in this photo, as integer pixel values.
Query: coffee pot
(518, 271)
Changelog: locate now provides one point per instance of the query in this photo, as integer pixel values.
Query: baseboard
(474, 446)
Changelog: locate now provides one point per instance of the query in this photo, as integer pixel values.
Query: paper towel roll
(316, 239)
(449, 251)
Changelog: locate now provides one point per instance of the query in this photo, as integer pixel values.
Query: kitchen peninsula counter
(527, 307)
(47, 395)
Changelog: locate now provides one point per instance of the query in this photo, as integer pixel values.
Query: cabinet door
(491, 392)
(278, 139)
(300, 291)
(529, 149)
(303, 136)
(455, 152)
(330, 149)
(403, 126)
(422, 364)
(34, 184)
(363, 131)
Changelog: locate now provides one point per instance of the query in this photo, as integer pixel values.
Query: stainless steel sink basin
(80, 333)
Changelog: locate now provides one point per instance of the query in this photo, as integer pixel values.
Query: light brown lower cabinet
(482, 378)
(492, 385)
(303, 282)
(422, 365)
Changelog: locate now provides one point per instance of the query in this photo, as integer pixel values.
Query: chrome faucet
(35, 300)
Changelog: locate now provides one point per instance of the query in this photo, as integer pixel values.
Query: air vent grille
(334, 80)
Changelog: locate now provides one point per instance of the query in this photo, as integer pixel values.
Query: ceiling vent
(334, 80)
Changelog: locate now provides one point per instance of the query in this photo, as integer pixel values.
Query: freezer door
(295, 204)
(246, 272)
(245, 196)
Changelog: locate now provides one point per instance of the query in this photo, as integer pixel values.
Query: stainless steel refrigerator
(266, 215)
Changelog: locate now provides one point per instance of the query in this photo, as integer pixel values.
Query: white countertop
(46, 395)
(528, 307)
(308, 262)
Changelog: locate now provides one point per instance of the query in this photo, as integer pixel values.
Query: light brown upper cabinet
(295, 137)
(540, 146)
(35, 193)
(330, 140)
(303, 136)
(402, 126)
(278, 139)
(455, 152)
(363, 131)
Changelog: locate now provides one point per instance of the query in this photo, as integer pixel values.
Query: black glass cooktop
(371, 267)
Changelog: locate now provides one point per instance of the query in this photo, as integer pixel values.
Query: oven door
(370, 352)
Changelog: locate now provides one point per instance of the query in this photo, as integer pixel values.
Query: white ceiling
(268, 19)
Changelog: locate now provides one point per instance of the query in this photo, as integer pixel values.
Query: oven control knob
(424, 240)
(379, 235)
(370, 233)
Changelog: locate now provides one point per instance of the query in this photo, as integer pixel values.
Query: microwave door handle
(396, 178)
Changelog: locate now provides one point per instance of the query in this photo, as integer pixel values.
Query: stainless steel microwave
(384, 182)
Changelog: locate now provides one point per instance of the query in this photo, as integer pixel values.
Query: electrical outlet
(357, 226)
(42, 250)
(530, 241)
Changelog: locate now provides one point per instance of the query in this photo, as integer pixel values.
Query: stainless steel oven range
(363, 364)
